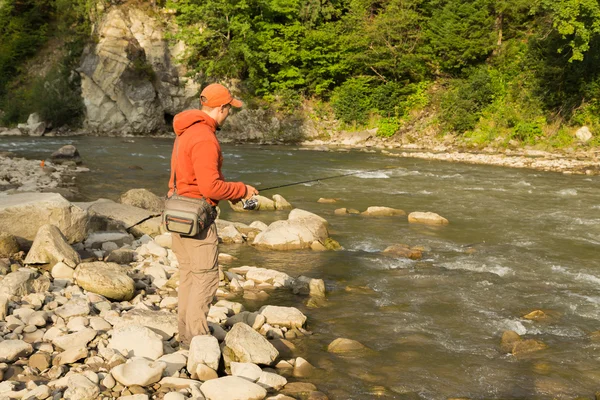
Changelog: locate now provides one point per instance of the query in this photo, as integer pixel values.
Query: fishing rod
(252, 203)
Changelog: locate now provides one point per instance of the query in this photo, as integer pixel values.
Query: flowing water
(518, 241)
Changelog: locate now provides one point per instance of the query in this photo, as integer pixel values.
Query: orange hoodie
(199, 159)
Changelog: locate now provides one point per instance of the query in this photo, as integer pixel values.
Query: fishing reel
(251, 204)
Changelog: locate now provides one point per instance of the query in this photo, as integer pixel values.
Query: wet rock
(106, 279)
(65, 154)
(343, 345)
(143, 198)
(427, 218)
(527, 346)
(298, 389)
(138, 341)
(340, 211)
(264, 204)
(264, 275)
(229, 234)
(50, 247)
(326, 201)
(138, 371)
(376, 211)
(11, 350)
(232, 387)
(244, 344)
(281, 203)
(331, 244)
(8, 245)
(403, 251)
(309, 286)
(509, 339)
(23, 214)
(302, 368)
(537, 315)
(289, 317)
(204, 349)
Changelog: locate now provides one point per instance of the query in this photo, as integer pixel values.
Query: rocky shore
(88, 305)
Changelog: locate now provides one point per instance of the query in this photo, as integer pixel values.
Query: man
(196, 164)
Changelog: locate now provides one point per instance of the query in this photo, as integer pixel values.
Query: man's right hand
(250, 191)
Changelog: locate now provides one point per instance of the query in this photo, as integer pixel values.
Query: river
(518, 241)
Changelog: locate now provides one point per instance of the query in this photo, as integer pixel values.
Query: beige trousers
(198, 280)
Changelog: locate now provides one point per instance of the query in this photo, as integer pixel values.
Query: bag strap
(175, 166)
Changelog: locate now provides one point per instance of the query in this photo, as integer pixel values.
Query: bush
(388, 126)
(352, 101)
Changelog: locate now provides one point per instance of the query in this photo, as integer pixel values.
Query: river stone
(121, 256)
(281, 203)
(78, 339)
(229, 234)
(245, 370)
(204, 349)
(8, 244)
(232, 388)
(232, 306)
(81, 388)
(77, 306)
(162, 322)
(271, 381)
(253, 319)
(138, 341)
(583, 134)
(62, 271)
(244, 344)
(155, 249)
(289, 317)
(4, 300)
(403, 251)
(11, 350)
(342, 345)
(174, 396)
(36, 129)
(174, 362)
(106, 279)
(298, 390)
(527, 346)
(428, 218)
(376, 211)
(138, 371)
(71, 355)
(23, 214)
(143, 198)
(302, 368)
(309, 286)
(50, 247)
(297, 232)
(66, 153)
(96, 239)
(119, 215)
(18, 283)
(263, 275)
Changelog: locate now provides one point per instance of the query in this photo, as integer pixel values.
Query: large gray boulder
(106, 279)
(23, 214)
(50, 247)
(143, 198)
(108, 215)
(244, 344)
(299, 231)
(67, 153)
(128, 79)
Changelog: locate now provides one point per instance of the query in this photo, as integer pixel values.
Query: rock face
(128, 80)
(50, 247)
(23, 214)
(106, 279)
(299, 231)
(143, 198)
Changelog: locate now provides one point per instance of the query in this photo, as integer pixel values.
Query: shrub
(352, 101)
(388, 126)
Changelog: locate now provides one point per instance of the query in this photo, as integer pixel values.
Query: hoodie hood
(185, 119)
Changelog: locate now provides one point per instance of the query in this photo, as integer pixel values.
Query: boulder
(299, 231)
(34, 118)
(12, 132)
(49, 247)
(138, 371)
(246, 370)
(244, 344)
(37, 129)
(271, 381)
(281, 203)
(23, 214)
(229, 234)
(8, 244)
(121, 256)
(68, 153)
(310, 286)
(79, 387)
(376, 211)
(263, 275)
(115, 215)
(138, 341)
(583, 134)
(289, 317)
(232, 388)
(143, 198)
(428, 218)
(106, 279)
(204, 349)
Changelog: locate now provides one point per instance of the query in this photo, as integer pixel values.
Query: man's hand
(250, 191)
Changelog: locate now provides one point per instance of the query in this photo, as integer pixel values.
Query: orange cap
(216, 95)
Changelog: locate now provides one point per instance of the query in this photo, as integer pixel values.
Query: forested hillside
(488, 71)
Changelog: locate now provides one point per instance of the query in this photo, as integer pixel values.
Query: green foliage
(529, 132)
(352, 101)
(388, 126)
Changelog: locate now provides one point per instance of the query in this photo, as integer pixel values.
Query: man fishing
(196, 164)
